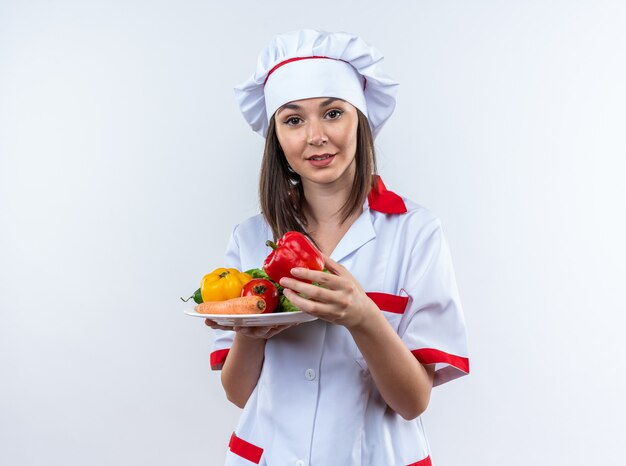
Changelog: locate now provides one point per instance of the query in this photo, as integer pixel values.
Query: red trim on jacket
(433, 356)
(389, 302)
(382, 200)
(217, 358)
(245, 449)
(425, 462)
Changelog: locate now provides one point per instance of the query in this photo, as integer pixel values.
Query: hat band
(290, 60)
(313, 76)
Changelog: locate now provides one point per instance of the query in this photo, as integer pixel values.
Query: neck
(324, 217)
(324, 203)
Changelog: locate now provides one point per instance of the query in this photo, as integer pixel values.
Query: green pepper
(286, 305)
(257, 273)
(197, 297)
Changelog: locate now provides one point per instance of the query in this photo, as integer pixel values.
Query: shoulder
(418, 221)
(253, 231)
(418, 214)
(254, 224)
(247, 243)
(392, 211)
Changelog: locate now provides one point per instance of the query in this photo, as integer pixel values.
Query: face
(319, 137)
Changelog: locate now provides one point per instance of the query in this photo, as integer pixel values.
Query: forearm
(404, 383)
(242, 368)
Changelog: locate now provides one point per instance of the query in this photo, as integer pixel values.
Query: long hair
(280, 188)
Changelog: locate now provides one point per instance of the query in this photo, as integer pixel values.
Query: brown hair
(280, 188)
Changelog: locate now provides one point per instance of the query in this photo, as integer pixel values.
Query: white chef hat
(307, 63)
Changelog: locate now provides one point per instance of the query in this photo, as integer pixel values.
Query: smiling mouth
(321, 157)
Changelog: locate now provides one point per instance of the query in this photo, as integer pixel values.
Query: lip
(323, 162)
(319, 155)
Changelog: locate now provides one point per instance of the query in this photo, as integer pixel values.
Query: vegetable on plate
(292, 250)
(239, 305)
(222, 284)
(265, 289)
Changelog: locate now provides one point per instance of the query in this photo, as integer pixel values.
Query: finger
(274, 333)
(269, 332)
(212, 323)
(297, 284)
(332, 265)
(315, 308)
(326, 279)
(216, 326)
(223, 327)
(307, 277)
(311, 292)
(250, 332)
(263, 332)
(256, 332)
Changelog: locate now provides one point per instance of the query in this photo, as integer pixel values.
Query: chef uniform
(315, 403)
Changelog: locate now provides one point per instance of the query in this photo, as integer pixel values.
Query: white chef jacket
(315, 403)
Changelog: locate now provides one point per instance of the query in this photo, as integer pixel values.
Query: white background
(124, 164)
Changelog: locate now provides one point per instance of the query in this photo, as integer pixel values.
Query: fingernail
(296, 271)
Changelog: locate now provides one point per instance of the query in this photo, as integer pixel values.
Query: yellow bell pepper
(223, 284)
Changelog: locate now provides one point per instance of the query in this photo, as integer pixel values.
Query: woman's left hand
(340, 299)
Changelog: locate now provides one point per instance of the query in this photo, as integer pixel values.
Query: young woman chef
(348, 388)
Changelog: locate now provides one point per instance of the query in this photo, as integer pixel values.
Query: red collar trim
(382, 200)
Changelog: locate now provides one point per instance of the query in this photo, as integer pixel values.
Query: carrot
(241, 305)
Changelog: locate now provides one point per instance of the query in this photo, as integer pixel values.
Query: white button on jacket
(398, 253)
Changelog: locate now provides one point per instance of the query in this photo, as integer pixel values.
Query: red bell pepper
(292, 250)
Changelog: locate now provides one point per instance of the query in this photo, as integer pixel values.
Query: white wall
(124, 164)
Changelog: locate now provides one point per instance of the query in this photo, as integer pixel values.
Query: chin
(329, 177)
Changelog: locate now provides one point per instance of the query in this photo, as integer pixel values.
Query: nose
(316, 135)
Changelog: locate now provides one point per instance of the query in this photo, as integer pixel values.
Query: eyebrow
(298, 107)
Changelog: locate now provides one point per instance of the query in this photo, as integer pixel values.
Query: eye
(293, 121)
(334, 114)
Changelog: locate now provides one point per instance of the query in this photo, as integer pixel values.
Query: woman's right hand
(263, 333)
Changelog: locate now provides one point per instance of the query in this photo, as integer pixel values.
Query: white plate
(255, 320)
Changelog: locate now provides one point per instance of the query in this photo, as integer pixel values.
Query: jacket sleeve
(433, 326)
(224, 338)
